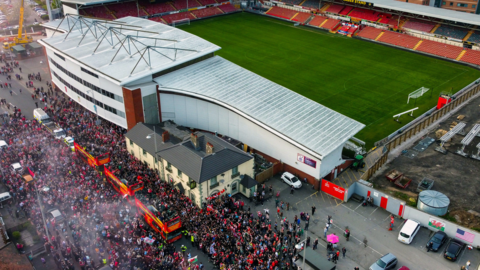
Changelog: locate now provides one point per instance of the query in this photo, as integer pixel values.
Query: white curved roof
(280, 110)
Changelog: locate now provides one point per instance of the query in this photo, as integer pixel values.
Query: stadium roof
(141, 47)
(311, 126)
(428, 11)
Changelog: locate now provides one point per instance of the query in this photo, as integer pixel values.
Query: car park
(437, 240)
(291, 180)
(409, 230)
(386, 262)
(453, 250)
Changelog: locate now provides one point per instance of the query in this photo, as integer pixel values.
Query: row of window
(89, 98)
(458, 4)
(87, 84)
(89, 72)
(59, 56)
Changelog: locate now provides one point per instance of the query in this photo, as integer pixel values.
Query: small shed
(19, 50)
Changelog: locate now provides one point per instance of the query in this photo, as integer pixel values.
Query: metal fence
(420, 125)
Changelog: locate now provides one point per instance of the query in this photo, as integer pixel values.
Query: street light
(94, 105)
(41, 208)
(149, 136)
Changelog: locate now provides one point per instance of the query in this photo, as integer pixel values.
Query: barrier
(333, 190)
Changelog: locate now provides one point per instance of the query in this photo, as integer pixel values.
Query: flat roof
(301, 121)
(428, 11)
(153, 46)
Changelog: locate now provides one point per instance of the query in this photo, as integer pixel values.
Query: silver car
(388, 261)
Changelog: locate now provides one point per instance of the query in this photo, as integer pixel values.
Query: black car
(453, 249)
(437, 240)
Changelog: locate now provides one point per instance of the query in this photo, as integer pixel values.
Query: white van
(409, 230)
(16, 168)
(5, 196)
(3, 144)
(40, 115)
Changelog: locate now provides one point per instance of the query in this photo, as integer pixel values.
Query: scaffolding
(131, 38)
(459, 128)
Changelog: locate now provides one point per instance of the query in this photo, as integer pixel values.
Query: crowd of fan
(104, 227)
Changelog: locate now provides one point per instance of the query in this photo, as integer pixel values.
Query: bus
(167, 224)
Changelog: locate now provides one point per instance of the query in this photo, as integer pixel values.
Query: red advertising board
(332, 189)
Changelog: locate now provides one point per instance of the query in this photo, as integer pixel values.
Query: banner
(332, 189)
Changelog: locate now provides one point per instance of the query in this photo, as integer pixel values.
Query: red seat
(330, 24)
(156, 8)
(335, 8)
(227, 8)
(282, 12)
(99, 12)
(422, 26)
(370, 32)
(182, 4)
(126, 9)
(317, 20)
(207, 2)
(399, 39)
(302, 17)
(346, 10)
(178, 16)
(472, 57)
(440, 49)
(206, 12)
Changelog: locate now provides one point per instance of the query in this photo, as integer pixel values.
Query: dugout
(315, 261)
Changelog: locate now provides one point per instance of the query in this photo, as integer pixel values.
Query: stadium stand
(282, 12)
(293, 2)
(365, 14)
(346, 10)
(418, 25)
(450, 31)
(302, 17)
(440, 49)
(182, 4)
(156, 8)
(207, 2)
(312, 4)
(352, 30)
(178, 16)
(384, 18)
(472, 57)
(330, 24)
(157, 19)
(336, 9)
(398, 39)
(317, 20)
(126, 9)
(227, 8)
(475, 37)
(393, 21)
(370, 32)
(206, 12)
(99, 12)
(83, 12)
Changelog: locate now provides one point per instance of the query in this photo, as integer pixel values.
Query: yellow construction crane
(19, 39)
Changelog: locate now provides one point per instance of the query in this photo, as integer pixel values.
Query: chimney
(165, 136)
(209, 148)
(194, 139)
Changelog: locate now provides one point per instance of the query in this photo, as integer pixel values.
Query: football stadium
(295, 80)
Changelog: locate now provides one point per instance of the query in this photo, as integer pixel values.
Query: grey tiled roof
(138, 134)
(197, 164)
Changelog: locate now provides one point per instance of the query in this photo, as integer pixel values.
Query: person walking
(325, 232)
(344, 250)
(291, 189)
(338, 254)
(313, 210)
(315, 244)
(468, 265)
(36, 104)
(306, 225)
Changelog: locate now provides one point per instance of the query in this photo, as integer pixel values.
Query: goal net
(417, 93)
(175, 23)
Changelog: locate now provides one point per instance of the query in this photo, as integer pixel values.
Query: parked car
(291, 180)
(453, 249)
(3, 144)
(438, 239)
(409, 230)
(55, 214)
(16, 168)
(388, 261)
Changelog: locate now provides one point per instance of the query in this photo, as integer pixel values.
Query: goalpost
(417, 93)
(181, 22)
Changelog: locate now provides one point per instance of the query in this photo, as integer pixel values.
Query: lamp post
(149, 136)
(94, 105)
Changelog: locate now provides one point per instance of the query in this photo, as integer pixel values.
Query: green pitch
(362, 80)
